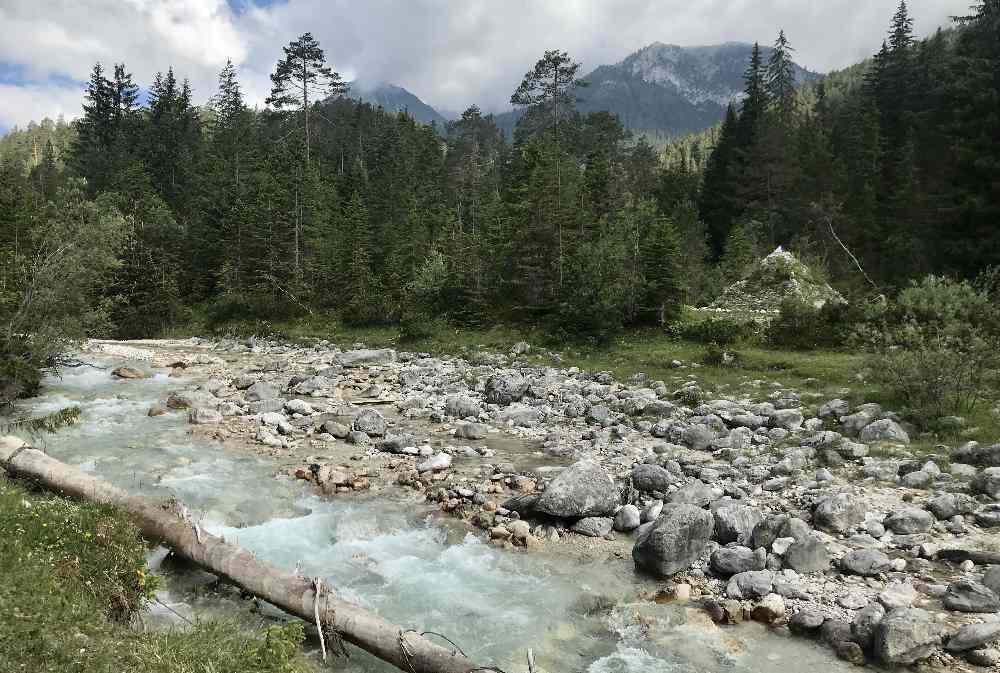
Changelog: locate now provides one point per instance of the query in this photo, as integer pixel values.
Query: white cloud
(22, 104)
(450, 52)
(53, 37)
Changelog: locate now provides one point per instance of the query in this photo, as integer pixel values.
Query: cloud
(53, 39)
(451, 53)
(20, 104)
(458, 52)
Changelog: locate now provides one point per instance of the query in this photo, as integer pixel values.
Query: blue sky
(451, 53)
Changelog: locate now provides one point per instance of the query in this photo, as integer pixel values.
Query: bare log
(405, 649)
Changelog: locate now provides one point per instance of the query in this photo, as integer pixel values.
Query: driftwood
(405, 649)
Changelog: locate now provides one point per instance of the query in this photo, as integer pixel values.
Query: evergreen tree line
(319, 204)
(890, 170)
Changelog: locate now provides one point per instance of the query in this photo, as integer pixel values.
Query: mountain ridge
(661, 90)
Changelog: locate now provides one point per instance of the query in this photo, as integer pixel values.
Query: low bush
(717, 356)
(802, 326)
(719, 330)
(242, 308)
(936, 348)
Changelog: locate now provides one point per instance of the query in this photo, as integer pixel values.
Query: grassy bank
(755, 372)
(74, 583)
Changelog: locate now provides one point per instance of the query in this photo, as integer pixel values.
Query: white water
(398, 559)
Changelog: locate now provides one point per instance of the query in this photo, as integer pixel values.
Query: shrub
(719, 330)
(20, 375)
(937, 347)
(802, 326)
(717, 356)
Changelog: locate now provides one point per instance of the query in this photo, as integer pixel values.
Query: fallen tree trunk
(404, 649)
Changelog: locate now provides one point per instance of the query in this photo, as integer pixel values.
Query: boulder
(370, 422)
(807, 621)
(898, 595)
(299, 407)
(970, 596)
(973, 636)
(599, 414)
(129, 373)
(191, 398)
(767, 531)
(947, 505)
(865, 562)
(503, 389)
(865, 624)
(770, 609)
(808, 555)
(581, 490)
(260, 391)
(839, 513)
(906, 636)
(987, 482)
(736, 523)
(204, 415)
(627, 519)
(648, 477)
(336, 429)
(696, 493)
(697, 437)
(521, 416)
(593, 526)
(728, 561)
(752, 584)
(470, 431)
(266, 406)
(885, 430)
(436, 463)
(834, 409)
(462, 407)
(909, 521)
(365, 357)
(991, 578)
(787, 419)
(674, 541)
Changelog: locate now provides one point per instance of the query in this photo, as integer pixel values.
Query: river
(394, 555)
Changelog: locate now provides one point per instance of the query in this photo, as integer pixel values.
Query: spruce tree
(780, 80)
(662, 276)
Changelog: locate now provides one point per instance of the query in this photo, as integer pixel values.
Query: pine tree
(547, 94)
(302, 74)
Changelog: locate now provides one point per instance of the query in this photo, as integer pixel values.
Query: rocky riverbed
(811, 516)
